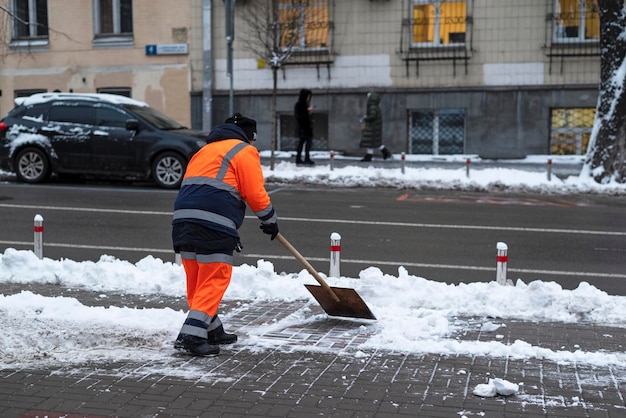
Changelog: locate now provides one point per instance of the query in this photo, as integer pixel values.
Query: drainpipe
(207, 61)
(230, 37)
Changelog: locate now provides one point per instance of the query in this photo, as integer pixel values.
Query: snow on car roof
(101, 97)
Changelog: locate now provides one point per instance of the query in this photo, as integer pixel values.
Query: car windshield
(157, 119)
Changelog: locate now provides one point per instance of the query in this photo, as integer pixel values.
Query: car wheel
(32, 165)
(168, 170)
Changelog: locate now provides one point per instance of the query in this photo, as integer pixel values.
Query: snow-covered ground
(530, 174)
(414, 314)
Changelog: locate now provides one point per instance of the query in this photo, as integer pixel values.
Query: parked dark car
(94, 134)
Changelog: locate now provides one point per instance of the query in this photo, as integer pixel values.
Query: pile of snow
(495, 387)
(413, 314)
(529, 174)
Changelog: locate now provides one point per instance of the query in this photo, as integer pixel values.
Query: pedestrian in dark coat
(302, 111)
(372, 128)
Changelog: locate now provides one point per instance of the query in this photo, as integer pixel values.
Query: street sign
(167, 49)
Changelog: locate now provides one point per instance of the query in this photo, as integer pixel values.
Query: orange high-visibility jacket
(220, 180)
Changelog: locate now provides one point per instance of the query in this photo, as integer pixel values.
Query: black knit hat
(248, 125)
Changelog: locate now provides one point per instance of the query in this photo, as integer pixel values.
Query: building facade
(136, 48)
(500, 79)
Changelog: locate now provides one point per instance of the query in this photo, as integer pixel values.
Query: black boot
(386, 153)
(368, 157)
(195, 345)
(308, 161)
(219, 336)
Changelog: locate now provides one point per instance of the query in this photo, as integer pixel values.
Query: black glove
(270, 229)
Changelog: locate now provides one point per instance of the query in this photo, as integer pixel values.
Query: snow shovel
(336, 301)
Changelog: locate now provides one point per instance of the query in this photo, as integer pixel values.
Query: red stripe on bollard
(335, 255)
(38, 236)
(502, 259)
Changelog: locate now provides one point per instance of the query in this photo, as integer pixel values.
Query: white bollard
(403, 159)
(550, 170)
(467, 167)
(178, 259)
(335, 255)
(332, 160)
(502, 259)
(38, 242)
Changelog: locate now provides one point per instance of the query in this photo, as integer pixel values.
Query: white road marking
(335, 221)
(338, 221)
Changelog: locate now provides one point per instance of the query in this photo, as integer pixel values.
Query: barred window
(570, 130)
(576, 21)
(304, 24)
(436, 22)
(437, 132)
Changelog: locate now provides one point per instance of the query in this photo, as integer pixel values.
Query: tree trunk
(607, 147)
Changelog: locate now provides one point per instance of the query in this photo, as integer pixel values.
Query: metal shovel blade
(336, 301)
(350, 303)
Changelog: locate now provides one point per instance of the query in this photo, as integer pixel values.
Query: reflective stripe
(197, 331)
(227, 158)
(196, 324)
(210, 181)
(205, 216)
(215, 323)
(215, 258)
(207, 258)
(199, 315)
(263, 214)
(187, 255)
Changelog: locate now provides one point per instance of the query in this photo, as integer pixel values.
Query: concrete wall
(499, 123)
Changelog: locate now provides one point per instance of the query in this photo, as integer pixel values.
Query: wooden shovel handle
(307, 265)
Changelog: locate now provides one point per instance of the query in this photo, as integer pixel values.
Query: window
(576, 21)
(28, 92)
(121, 91)
(437, 132)
(436, 23)
(304, 24)
(288, 137)
(570, 130)
(36, 112)
(29, 20)
(71, 113)
(113, 21)
(111, 117)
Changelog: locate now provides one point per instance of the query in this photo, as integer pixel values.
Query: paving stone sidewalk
(317, 369)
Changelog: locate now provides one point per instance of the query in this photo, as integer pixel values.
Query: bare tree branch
(272, 32)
